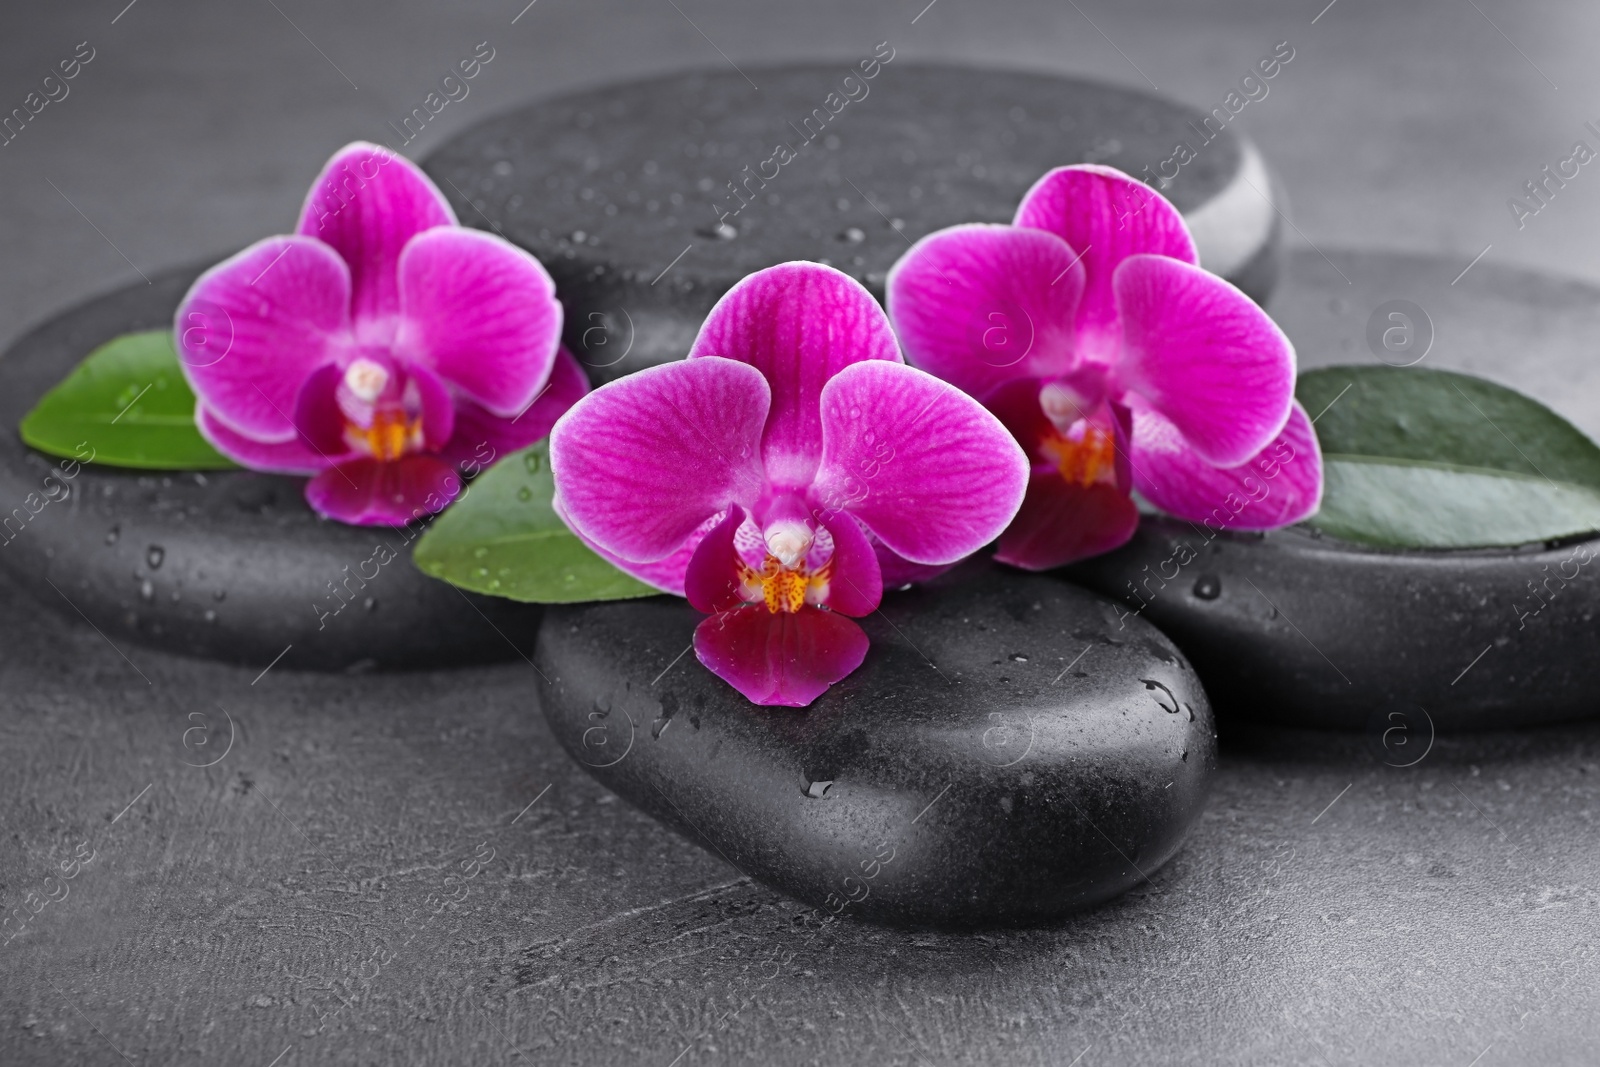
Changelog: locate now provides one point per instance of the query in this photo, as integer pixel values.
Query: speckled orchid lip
(1141, 372)
(782, 474)
(379, 349)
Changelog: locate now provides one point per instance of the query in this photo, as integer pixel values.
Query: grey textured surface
(1434, 914)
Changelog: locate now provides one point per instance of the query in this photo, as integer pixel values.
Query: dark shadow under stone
(1008, 753)
(228, 564)
(621, 191)
(1309, 631)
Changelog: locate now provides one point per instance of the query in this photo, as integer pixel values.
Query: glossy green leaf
(503, 538)
(1433, 459)
(129, 403)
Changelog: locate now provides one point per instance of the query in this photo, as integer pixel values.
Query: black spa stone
(624, 192)
(1008, 753)
(1310, 631)
(228, 564)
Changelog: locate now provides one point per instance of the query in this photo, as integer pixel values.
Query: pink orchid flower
(380, 348)
(782, 474)
(1089, 328)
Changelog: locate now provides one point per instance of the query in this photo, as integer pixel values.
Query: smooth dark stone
(1006, 754)
(229, 564)
(588, 182)
(1314, 632)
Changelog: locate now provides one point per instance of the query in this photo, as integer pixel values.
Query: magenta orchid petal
(293, 456)
(1280, 485)
(641, 463)
(666, 574)
(855, 581)
(1061, 522)
(1205, 356)
(1107, 216)
(367, 204)
(979, 305)
(251, 328)
(370, 492)
(923, 466)
(482, 313)
(481, 437)
(780, 658)
(898, 571)
(712, 582)
(799, 324)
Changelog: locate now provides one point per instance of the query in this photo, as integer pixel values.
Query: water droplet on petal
(532, 462)
(524, 494)
(479, 552)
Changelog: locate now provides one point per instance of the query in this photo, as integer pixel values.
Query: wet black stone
(620, 190)
(1006, 754)
(227, 564)
(1309, 631)
(1341, 636)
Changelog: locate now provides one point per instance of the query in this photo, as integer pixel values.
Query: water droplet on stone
(1208, 587)
(154, 555)
(211, 616)
(578, 236)
(147, 590)
(1184, 755)
(176, 596)
(855, 235)
(220, 594)
(502, 169)
(371, 603)
(112, 535)
(817, 790)
(1018, 657)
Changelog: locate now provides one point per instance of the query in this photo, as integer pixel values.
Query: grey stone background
(403, 869)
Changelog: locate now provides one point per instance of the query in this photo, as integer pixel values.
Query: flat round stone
(227, 564)
(1310, 631)
(1008, 753)
(648, 200)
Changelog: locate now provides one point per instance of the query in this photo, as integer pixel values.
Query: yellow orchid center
(1084, 459)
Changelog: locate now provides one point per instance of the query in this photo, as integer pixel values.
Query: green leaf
(504, 539)
(129, 402)
(1433, 459)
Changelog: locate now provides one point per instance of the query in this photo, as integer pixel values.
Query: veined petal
(1108, 216)
(293, 456)
(799, 324)
(666, 574)
(1280, 485)
(642, 462)
(1204, 355)
(253, 327)
(923, 466)
(780, 658)
(1061, 521)
(481, 437)
(482, 313)
(980, 304)
(367, 203)
(370, 492)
